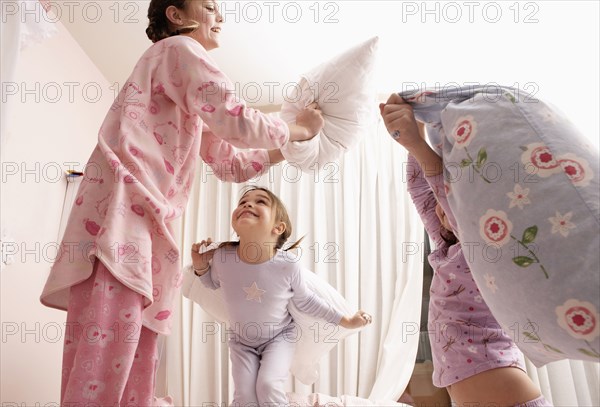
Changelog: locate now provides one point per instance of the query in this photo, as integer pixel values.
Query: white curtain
(362, 235)
(568, 382)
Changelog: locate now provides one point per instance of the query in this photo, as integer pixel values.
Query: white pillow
(316, 343)
(323, 400)
(344, 91)
(317, 337)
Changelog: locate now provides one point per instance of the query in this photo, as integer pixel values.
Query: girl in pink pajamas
(118, 269)
(472, 357)
(259, 279)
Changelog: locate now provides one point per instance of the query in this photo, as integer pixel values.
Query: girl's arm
(400, 122)
(201, 264)
(192, 80)
(424, 200)
(436, 183)
(309, 302)
(232, 165)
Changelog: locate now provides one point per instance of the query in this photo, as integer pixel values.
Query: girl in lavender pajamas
(259, 279)
(118, 269)
(472, 357)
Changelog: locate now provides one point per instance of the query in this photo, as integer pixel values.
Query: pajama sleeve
(310, 303)
(210, 280)
(424, 199)
(187, 75)
(228, 163)
(436, 183)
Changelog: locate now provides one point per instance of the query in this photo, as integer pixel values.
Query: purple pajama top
(257, 295)
(465, 337)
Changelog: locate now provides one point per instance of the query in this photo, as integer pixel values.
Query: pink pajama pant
(109, 358)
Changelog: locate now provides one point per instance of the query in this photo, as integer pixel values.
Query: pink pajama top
(176, 105)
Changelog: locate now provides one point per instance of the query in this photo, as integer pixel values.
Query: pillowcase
(323, 400)
(523, 186)
(344, 91)
(316, 337)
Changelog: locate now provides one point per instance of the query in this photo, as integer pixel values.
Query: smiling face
(255, 216)
(205, 14)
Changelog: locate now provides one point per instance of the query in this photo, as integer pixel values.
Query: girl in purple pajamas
(473, 358)
(118, 270)
(259, 279)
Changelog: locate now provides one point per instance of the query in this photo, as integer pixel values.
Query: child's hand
(400, 121)
(200, 260)
(357, 320)
(310, 120)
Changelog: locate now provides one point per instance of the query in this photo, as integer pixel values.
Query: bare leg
(507, 386)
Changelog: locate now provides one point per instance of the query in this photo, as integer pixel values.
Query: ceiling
(261, 42)
(550, 48)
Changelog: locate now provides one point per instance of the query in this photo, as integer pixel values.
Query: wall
(57, 101)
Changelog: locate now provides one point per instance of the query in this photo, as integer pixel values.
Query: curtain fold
(568, 382)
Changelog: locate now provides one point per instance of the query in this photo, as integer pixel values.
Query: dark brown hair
(159, 26)
(448, 236)
(281, 215)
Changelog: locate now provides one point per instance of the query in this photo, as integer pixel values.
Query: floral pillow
(523, 185)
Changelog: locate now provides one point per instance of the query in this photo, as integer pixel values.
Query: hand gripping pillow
(317, 336)
(523, 185)
(342, 87)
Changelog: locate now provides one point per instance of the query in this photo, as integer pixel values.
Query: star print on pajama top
(267, 290)
(254, 293)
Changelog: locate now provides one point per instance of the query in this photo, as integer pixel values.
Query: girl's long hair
(159, 26)
(447, 236)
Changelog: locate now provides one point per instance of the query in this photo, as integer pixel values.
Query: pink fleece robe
(176, 105)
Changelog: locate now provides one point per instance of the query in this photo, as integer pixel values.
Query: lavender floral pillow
(523, 185)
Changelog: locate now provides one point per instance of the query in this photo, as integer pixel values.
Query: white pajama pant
(259, 374)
